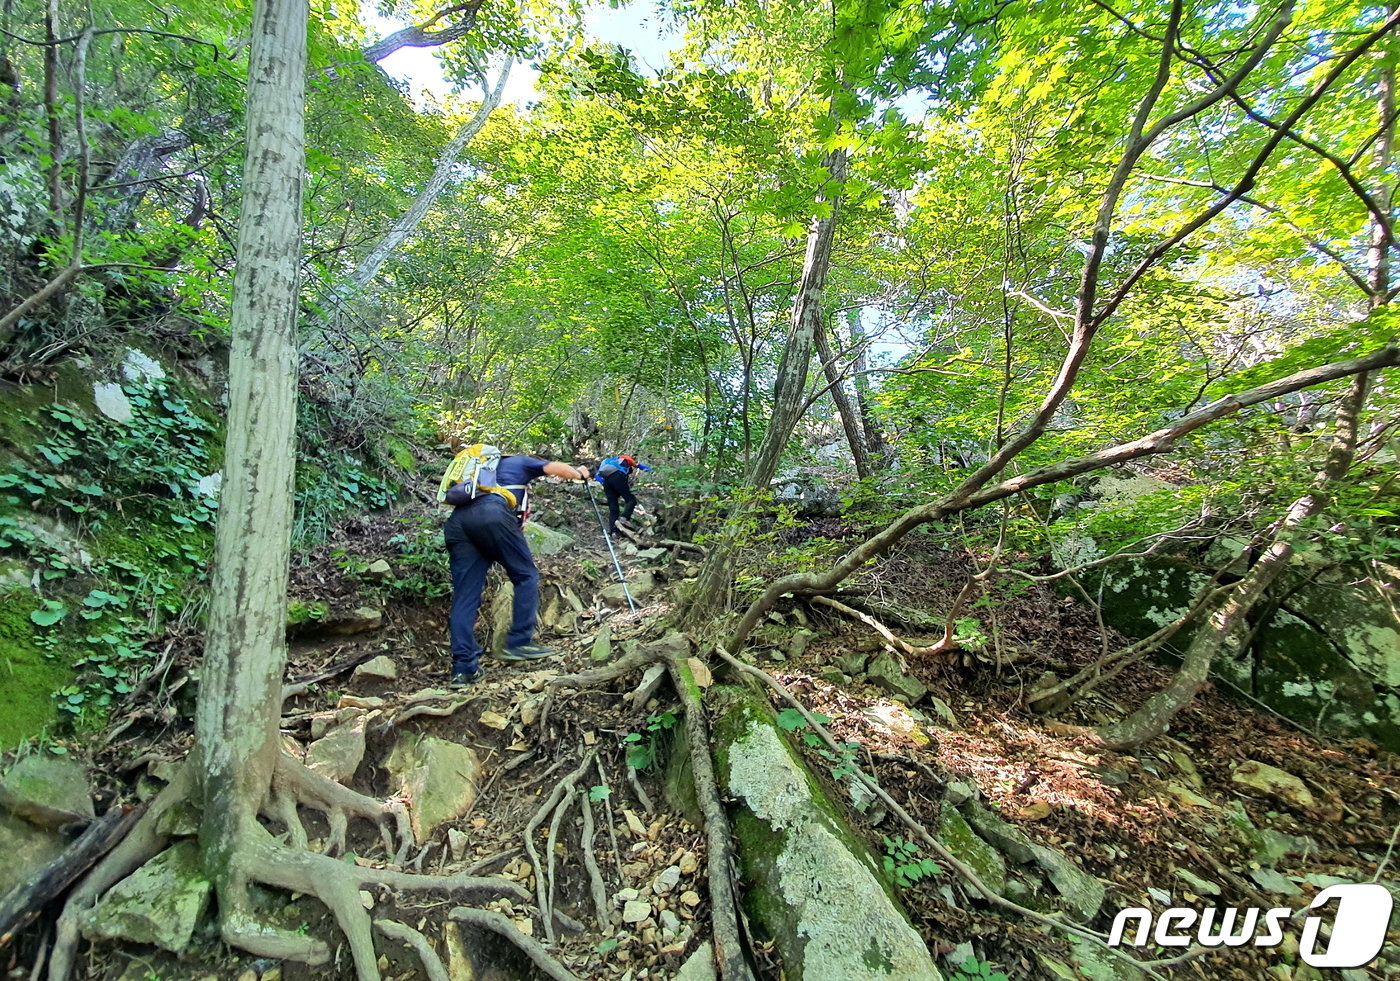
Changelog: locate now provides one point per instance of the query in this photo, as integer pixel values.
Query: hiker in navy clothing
(615, 474)
(487, 528)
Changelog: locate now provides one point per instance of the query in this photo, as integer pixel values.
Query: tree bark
(1228, 625)
(236, 718)
(869, 424)
(849, 421)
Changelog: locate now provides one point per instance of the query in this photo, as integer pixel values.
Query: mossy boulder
(49, 791)
(811, 884)
(438, 778)
(31, 673)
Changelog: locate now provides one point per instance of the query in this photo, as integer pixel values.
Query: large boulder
(438, 778)
(810, 883)
(160, 903)
(338, 753)
(1328, 655)
(640, 584)
(49, 791)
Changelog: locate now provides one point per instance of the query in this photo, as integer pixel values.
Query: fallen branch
(721, 862)
(23, 905)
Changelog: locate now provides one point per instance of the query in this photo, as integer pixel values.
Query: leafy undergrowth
(1164, 827)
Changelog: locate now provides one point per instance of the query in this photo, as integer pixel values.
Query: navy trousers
(617, 487)
(478, 534)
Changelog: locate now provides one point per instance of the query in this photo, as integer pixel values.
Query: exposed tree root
(559, 798)
(721, 862)
(596, 888)
(438, 711)
(339, 802)
(503, 925)
(900, 645)
(427, 956)
(687, 546)
(594, 677)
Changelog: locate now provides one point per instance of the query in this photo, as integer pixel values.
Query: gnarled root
(501, 924)
(560, 799)
(340, 803)
(432, 964)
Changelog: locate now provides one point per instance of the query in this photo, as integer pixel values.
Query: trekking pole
(608, 540)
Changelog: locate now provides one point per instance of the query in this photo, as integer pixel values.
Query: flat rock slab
(160, 903)
(439, 778)
(884, 671)
(49, 791)
(381, 667)
(338, 753)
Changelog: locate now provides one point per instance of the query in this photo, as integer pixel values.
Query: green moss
(299, 612)
(28, 678)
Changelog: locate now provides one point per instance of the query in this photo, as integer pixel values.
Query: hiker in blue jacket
(488, 528)
(615, 474)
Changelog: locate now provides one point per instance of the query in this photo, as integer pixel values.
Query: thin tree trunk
(236, 719)
(869, 424)
(854, 437)
(447, 162)
(1228, 626)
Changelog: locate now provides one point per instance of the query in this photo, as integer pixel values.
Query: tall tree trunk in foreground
(1228, 624)
(245, 651)
(711, 587)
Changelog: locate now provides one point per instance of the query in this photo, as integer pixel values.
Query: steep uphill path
(557, 796)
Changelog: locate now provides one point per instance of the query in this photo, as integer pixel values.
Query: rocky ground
(1237, 809)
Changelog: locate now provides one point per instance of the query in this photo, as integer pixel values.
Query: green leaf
(791, 719)
(50, 616)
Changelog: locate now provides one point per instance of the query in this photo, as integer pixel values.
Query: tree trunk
(1228, 626)
(711, 588)
(849, 423)
(870, 426)
(236, 744)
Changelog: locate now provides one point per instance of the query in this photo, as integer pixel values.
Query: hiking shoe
(526, 652)
(465, 679)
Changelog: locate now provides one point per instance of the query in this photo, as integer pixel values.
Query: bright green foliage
(974, 970)
(903, 864)
(642, 748)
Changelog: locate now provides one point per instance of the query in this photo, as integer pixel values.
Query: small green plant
(842, 760)
(974, 970)
(642, 752)
(903, 864)
(599, 792)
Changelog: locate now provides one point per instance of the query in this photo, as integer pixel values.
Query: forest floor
(1164, 827)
